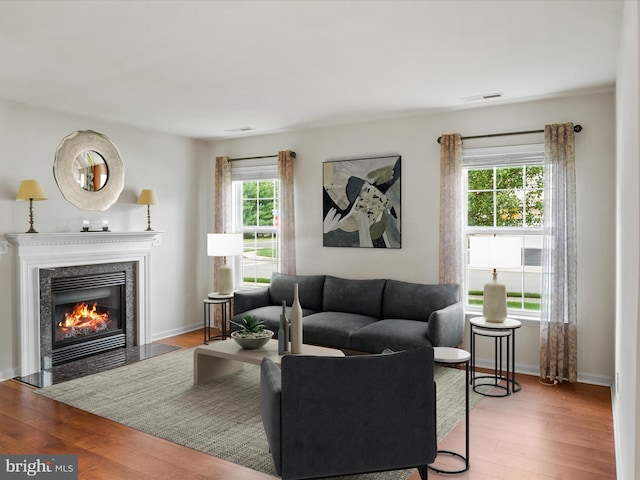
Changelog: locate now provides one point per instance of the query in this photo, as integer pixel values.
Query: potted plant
(251, 333)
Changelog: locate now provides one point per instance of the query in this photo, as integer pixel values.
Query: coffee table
(225, 357)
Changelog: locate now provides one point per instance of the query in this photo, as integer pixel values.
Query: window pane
(480, 179)
(535, 177)
(480, 209)
(535, 207)
(508, 178)
(508, 209)
(265, 207)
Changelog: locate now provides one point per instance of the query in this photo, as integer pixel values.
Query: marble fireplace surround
(53, 250)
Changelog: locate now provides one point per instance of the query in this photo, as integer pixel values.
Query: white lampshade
(224, 245)
(493, 251)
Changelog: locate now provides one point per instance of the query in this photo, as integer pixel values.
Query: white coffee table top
(450, 355)
(509, 323)
(230, 350)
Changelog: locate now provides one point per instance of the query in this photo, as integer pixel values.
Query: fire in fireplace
(81, 321)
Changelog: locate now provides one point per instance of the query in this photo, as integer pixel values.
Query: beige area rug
(221, 418)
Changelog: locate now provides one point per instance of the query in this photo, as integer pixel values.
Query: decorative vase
(296, 322)
(283, 331)
(494, 303)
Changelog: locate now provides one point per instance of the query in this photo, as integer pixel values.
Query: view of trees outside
(508, 201)
(505, 197)
(259, 229)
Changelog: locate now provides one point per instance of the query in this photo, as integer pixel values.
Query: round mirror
(89, 170)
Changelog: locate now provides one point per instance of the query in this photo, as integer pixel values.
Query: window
(255, 215)
(503, 201)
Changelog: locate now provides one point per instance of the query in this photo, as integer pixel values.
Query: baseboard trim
(534, 370)
(175, 331)
(8, 374)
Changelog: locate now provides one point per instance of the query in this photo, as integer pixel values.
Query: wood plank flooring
(542, 432)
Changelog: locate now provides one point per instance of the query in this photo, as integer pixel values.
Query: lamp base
(224, 278)
(494, 301)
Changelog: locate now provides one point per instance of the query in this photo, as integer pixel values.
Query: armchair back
(328, 416)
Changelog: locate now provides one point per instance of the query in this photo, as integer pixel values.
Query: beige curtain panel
(451, 268)
(222, 220)
(558, 323)
(287, 238)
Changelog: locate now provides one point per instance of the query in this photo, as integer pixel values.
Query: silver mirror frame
(70, 147)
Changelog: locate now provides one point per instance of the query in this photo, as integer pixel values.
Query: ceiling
(202, 68)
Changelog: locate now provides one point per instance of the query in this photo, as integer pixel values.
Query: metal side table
(455, 356)
(498, 331)
(224, 301)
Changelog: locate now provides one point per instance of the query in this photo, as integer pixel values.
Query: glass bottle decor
(283, 331)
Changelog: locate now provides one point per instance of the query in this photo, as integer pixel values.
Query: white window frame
(252, 171)
(500, 157)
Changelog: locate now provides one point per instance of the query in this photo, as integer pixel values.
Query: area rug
(221, 418)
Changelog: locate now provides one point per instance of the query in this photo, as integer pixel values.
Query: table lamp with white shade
(224, 245)
(495, 252)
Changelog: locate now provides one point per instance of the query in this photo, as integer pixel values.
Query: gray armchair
(328, 416)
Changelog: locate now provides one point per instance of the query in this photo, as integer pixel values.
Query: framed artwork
(361, 202)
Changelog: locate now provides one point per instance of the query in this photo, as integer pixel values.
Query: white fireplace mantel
(51, 250)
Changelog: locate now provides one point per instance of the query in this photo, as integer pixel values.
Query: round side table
(498, 331)
(224, 301)
(455, 356)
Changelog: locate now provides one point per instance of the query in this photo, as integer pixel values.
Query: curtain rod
(293, 155)
(576, 128)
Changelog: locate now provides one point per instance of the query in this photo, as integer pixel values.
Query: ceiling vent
(484, 96)
(239, 129)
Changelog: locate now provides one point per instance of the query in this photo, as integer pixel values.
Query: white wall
(626, 397)
(414, 138)
(168, 164)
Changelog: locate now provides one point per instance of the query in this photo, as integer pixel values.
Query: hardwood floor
(542, 432)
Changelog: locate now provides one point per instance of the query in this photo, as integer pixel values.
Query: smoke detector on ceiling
(484, 96)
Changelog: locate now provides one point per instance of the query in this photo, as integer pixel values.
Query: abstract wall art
(361, 202)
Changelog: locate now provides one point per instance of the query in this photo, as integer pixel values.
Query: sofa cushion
(414, 301)
(363, 297)
(333, 328)
(396, 334)
(309, 290)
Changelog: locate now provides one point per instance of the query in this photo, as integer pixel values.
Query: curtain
(287, 240)
(222, 220)
(558, 323)
(451, 268)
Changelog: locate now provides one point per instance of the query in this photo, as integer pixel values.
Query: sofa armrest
(250, 298)
(446, 326)
(270, 400)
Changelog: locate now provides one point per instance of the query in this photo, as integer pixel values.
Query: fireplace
(41, 257)
(86, 310)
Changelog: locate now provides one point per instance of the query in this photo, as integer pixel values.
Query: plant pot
(252, 342)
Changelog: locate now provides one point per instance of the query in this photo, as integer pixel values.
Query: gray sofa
(326, 416)
(361, 315)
